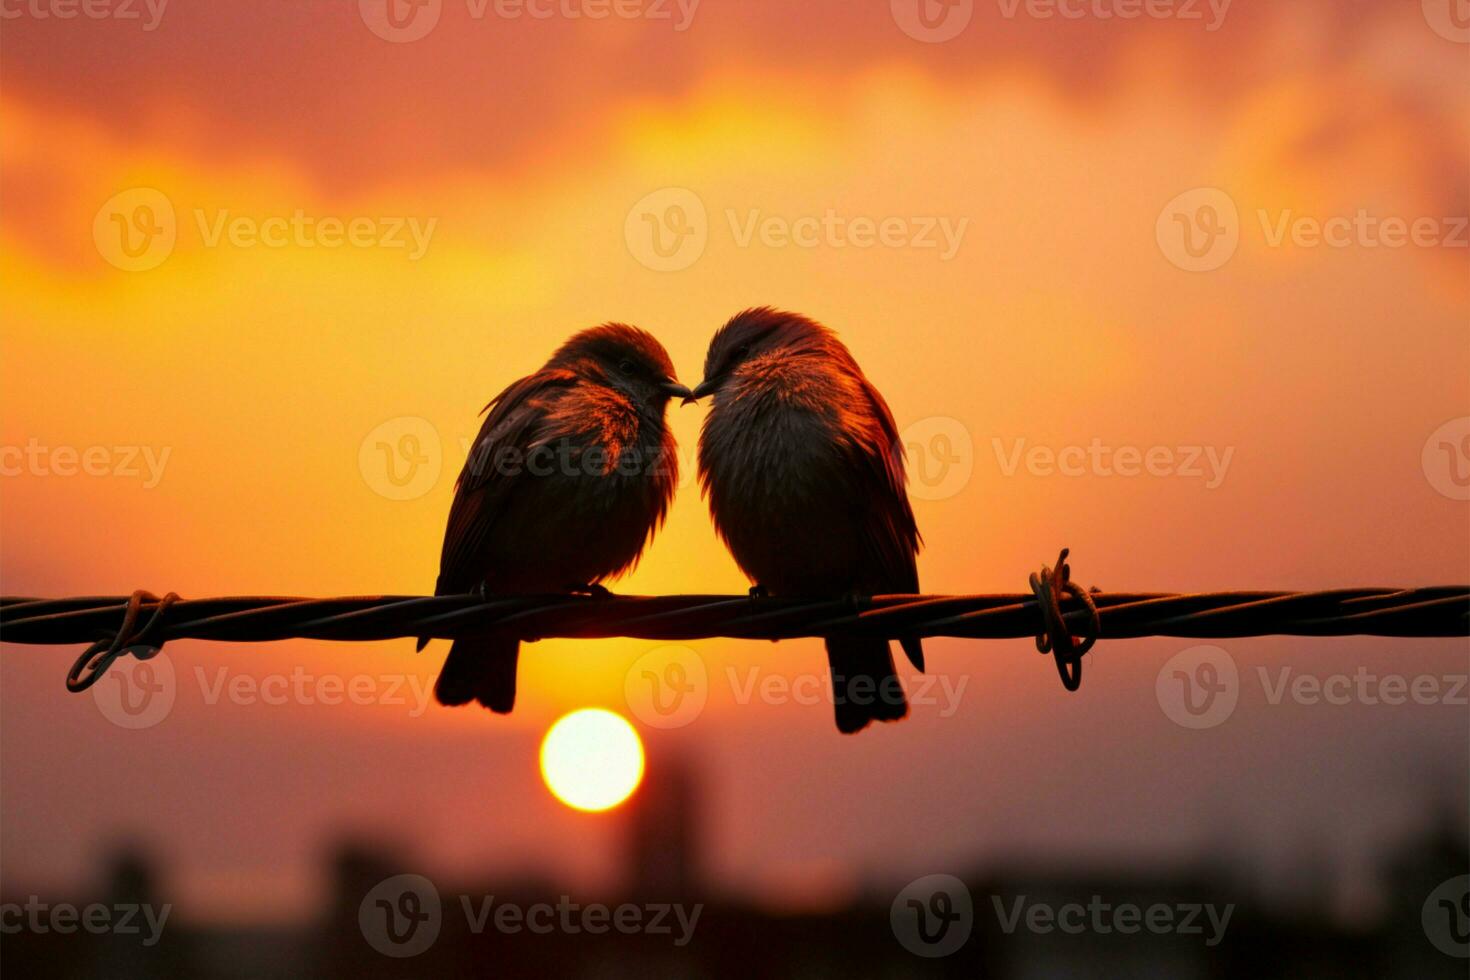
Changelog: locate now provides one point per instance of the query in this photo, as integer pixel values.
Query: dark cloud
(308, 81)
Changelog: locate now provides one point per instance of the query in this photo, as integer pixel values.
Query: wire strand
(1065, 619)
(1431, 611)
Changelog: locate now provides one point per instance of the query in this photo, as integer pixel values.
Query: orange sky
(258, 379)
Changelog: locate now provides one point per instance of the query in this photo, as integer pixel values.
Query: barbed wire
(1065, 619)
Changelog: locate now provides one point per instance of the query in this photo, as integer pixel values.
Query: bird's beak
(705, 387)
(674, 389)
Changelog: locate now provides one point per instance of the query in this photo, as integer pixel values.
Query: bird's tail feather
(914, 647)
(483, 669)
(864, 685)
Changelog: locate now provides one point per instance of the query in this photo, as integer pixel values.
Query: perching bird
(569, 478)
(804, 471)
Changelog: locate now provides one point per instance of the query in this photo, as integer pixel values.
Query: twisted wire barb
(1055, 637)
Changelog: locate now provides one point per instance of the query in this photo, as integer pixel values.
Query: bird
(571, 475)
(803, 469)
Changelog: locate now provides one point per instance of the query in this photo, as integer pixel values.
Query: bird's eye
(743, 350)
(625, 366)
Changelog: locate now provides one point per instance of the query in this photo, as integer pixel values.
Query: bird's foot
(757, 592)
(592, 589)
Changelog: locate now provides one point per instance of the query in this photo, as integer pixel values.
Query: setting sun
(592, 760)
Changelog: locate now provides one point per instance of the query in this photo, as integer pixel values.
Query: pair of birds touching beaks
(574, 470)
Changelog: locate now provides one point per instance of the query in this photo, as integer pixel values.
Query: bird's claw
(758, 592)
(592, 589)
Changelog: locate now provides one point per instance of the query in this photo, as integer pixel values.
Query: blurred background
(1183, 286)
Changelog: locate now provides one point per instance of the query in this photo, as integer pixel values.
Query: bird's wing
(516, 420)
(893, 537)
